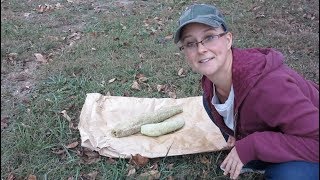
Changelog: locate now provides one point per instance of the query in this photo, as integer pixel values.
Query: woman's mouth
(205, 60)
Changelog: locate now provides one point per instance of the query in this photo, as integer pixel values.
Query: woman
(268, 113)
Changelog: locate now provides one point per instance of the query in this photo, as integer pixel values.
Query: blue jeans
(292, 170)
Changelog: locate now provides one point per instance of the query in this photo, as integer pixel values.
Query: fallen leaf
(40, 58)
(4, 122)
(58, 151)
(170, 166)
(150, 175)
(72, 145)
(108, 93)
(131, 172)
(112, 80)
(88, 156)
(135, 85)
(169, 37)
(181, 72)
(65, 115)
(205, 160)
(12, 56)
(26, 14)
(111, 161)
(172, 95)
(90, 176)
(139, 160)
(160, 87)
(11, 176)
(32, 177)
(141, 78)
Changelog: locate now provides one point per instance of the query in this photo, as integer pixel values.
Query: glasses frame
(197, 43)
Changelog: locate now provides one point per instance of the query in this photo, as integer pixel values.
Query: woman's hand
(231, 141)
(232, 164)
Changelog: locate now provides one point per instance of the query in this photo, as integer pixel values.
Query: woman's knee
(293, 170)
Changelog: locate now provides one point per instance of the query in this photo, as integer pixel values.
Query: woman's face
(212, 55)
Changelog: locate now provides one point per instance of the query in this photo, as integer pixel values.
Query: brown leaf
(57, 151)
(141, 78)
(72, 145)
(141, 55)
(139, 160)
(88, 156)
(112, 80)
(160, 87)
(32, 177)
(169, 37)
(11, 176)
(65, 115)
(204, 160)
(172, 95)
(91, 176)
(4, 122)
(72, 125)
(170, 166)
(131, 172)
(150, 175)
(111, 161)
(12, 56)
(40, 58)
(135, 85)
(181, 72)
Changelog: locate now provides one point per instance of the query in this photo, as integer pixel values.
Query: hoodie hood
(250, 65)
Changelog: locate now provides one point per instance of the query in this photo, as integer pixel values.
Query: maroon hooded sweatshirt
(276, 109)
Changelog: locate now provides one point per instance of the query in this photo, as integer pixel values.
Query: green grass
(115, 43)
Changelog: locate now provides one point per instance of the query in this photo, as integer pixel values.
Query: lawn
(55, 52)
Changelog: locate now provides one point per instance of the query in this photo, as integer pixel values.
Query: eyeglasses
(207, 41)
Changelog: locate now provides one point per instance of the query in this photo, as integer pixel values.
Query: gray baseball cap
(200, 13)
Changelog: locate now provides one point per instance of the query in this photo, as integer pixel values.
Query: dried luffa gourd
(162, 128)
(134, 125)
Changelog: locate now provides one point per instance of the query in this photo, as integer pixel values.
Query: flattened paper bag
(100, 114)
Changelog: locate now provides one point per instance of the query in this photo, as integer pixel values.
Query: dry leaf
(153, 174)
(11, 176)
(181, 72)
(169, 37)
(65, 115)
(32, 177)
(88, 156)
(73, 126)
(131, 172)
(4, 122)
(91, 176)
(172, 95)
(170, 166)
(141, 55)
(160, 87)
(108, 93)
(12, 56)
(204, 160)
(139, 160)
(58, 151)
(111, 161)
(40, 58)
(72, 145)
(112, 80)
(141, 78)
(135, 85)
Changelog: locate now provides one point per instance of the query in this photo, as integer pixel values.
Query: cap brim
(206, 21)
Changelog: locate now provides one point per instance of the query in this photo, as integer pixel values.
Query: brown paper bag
(100, 114)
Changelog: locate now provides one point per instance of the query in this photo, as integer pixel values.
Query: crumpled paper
(101, 113)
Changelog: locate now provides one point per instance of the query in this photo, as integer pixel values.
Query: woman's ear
(229, 40)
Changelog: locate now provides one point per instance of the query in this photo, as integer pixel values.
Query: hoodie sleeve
(282, 104)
